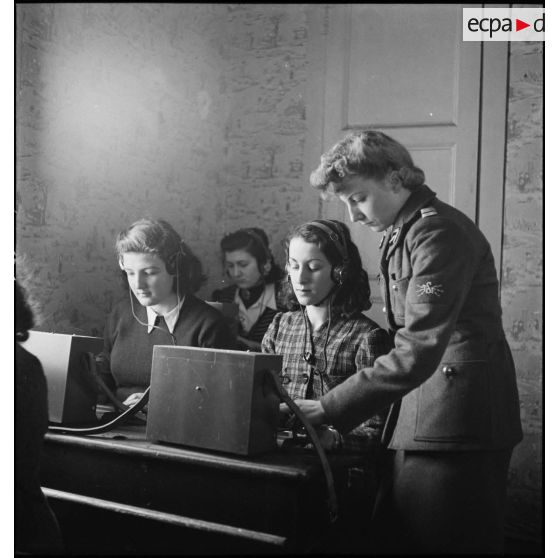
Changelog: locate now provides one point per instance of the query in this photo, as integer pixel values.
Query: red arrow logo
(519, 25)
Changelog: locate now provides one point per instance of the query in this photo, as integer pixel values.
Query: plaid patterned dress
(353, 343)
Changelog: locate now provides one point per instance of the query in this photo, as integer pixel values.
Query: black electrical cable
(91, 368)
(332, 500)
(109, 425)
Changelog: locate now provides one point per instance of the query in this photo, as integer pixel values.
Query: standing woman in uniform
(450, 377)
(160, 308)
(249, 264)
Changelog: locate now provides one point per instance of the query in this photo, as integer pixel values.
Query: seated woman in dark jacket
(162, 275)
(249, 264)
(36, 528)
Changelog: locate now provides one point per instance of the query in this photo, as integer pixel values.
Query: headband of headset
(335, 234)
(172, 260)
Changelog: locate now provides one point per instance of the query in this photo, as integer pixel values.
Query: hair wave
(366, 153)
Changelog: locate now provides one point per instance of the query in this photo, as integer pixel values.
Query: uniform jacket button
(449, 371)
(305, 378)
(394, 287)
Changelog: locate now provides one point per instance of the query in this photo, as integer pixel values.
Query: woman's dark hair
(254, 241)
(353, 295)
(24, 317)
(150, 236)
(369, 154)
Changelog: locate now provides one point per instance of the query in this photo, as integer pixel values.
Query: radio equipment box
(214, 399)
(72, 396)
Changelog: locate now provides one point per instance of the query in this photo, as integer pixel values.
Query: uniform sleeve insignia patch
(428, 211)
(429, 289)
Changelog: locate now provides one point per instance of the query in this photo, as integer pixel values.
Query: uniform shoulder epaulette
(428, 212)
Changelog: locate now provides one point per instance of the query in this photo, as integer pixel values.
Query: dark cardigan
(128, 347)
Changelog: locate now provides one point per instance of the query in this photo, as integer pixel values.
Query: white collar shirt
(171, 317)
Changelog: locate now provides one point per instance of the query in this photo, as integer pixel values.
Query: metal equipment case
(214, 399)
(71, 396)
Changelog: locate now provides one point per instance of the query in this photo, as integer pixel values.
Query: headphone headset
(173, 260)
(171, 263)
(336, 234)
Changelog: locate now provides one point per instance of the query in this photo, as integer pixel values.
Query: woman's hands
(131, 400)
(329, 438)
(312, 409)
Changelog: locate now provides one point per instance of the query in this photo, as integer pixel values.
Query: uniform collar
(419, 198)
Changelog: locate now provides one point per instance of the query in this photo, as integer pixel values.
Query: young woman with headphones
(248, 263)
(161, 275)
(325, 338)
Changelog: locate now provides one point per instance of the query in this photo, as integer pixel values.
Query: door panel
(387, 50)
(405, 71)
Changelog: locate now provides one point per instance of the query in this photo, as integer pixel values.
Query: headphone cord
(109, 425)
(310, 356)
(174, 341)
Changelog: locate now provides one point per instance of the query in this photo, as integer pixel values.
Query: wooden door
(404, 70)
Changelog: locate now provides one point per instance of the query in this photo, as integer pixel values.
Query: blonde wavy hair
(370, 154)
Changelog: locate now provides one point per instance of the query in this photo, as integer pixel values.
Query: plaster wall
(191, 113)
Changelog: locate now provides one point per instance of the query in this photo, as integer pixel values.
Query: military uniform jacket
(451, 371)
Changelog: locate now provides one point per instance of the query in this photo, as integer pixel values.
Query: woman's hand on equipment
(329, 437)
(131, 400)
(312, 409)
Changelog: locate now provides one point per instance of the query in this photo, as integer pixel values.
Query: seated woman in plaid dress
(325, 338)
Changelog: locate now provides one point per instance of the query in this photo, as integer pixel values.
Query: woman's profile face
(310, 272)
(373, 203)
(149, 280)
(242, 268)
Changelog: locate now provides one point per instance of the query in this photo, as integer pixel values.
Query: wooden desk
(118, 493)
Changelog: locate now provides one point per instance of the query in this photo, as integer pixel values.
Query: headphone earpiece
(266, 268)
(339, 273)
(173, 260)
